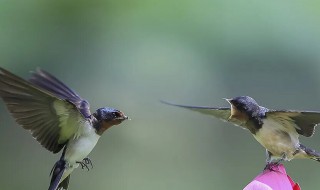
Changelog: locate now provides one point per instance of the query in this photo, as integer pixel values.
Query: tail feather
(64, 184)
(314, 155)
(316, 159)
(57, 172)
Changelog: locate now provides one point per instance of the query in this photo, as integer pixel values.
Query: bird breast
(277, 138)
(79, 147)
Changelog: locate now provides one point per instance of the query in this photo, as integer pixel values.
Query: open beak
(232, 110)
(228, 100)
(126, 118)
(123, 117)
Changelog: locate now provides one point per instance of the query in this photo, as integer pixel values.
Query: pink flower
(273, 178)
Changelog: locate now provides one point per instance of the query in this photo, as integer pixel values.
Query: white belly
(278, 138)
(79, 148)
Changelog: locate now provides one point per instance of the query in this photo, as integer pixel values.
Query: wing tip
(4, 71)
(165, 102)
(172, 104)
(191, 107)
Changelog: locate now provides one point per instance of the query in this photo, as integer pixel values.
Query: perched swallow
(58, 118)
(276, 130)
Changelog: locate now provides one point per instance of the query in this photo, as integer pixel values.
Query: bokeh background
(129, 54)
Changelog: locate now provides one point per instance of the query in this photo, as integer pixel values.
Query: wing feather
(303, 121)
(46, 81)
(33, 108)
(222, 113)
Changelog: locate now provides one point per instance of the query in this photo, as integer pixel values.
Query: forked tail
(314, 155)
(57, 172)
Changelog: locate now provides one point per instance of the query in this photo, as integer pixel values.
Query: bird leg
(83, 165)
(85, 162)
(270, 163)
(283, 157)
(88, 161)
(268, 155)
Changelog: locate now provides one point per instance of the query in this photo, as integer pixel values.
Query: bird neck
(101, 125)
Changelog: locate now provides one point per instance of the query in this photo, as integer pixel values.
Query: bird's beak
(123, 117)
(232, 108)
(228, 100)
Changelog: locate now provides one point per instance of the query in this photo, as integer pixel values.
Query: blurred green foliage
(129, 54)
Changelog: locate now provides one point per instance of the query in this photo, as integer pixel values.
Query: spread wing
(222, 113)
(46, 81)
(304, 122)
(44, 106)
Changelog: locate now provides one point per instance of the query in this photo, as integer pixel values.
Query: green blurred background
(129, 54)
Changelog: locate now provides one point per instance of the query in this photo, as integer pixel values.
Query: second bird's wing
(304, 122)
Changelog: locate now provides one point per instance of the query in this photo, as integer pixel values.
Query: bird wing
(304, 122)
(46, 81)
(222, 113)
(52, 119)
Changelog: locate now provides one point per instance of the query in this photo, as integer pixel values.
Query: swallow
(276, 130)
(58, 118)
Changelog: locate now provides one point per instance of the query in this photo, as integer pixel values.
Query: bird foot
(85, 162)
(270, 164)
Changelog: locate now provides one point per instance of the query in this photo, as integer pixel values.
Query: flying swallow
(276, 130)
(58, 118)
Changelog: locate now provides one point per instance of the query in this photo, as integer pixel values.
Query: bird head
(242, 107)
(107, 117)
